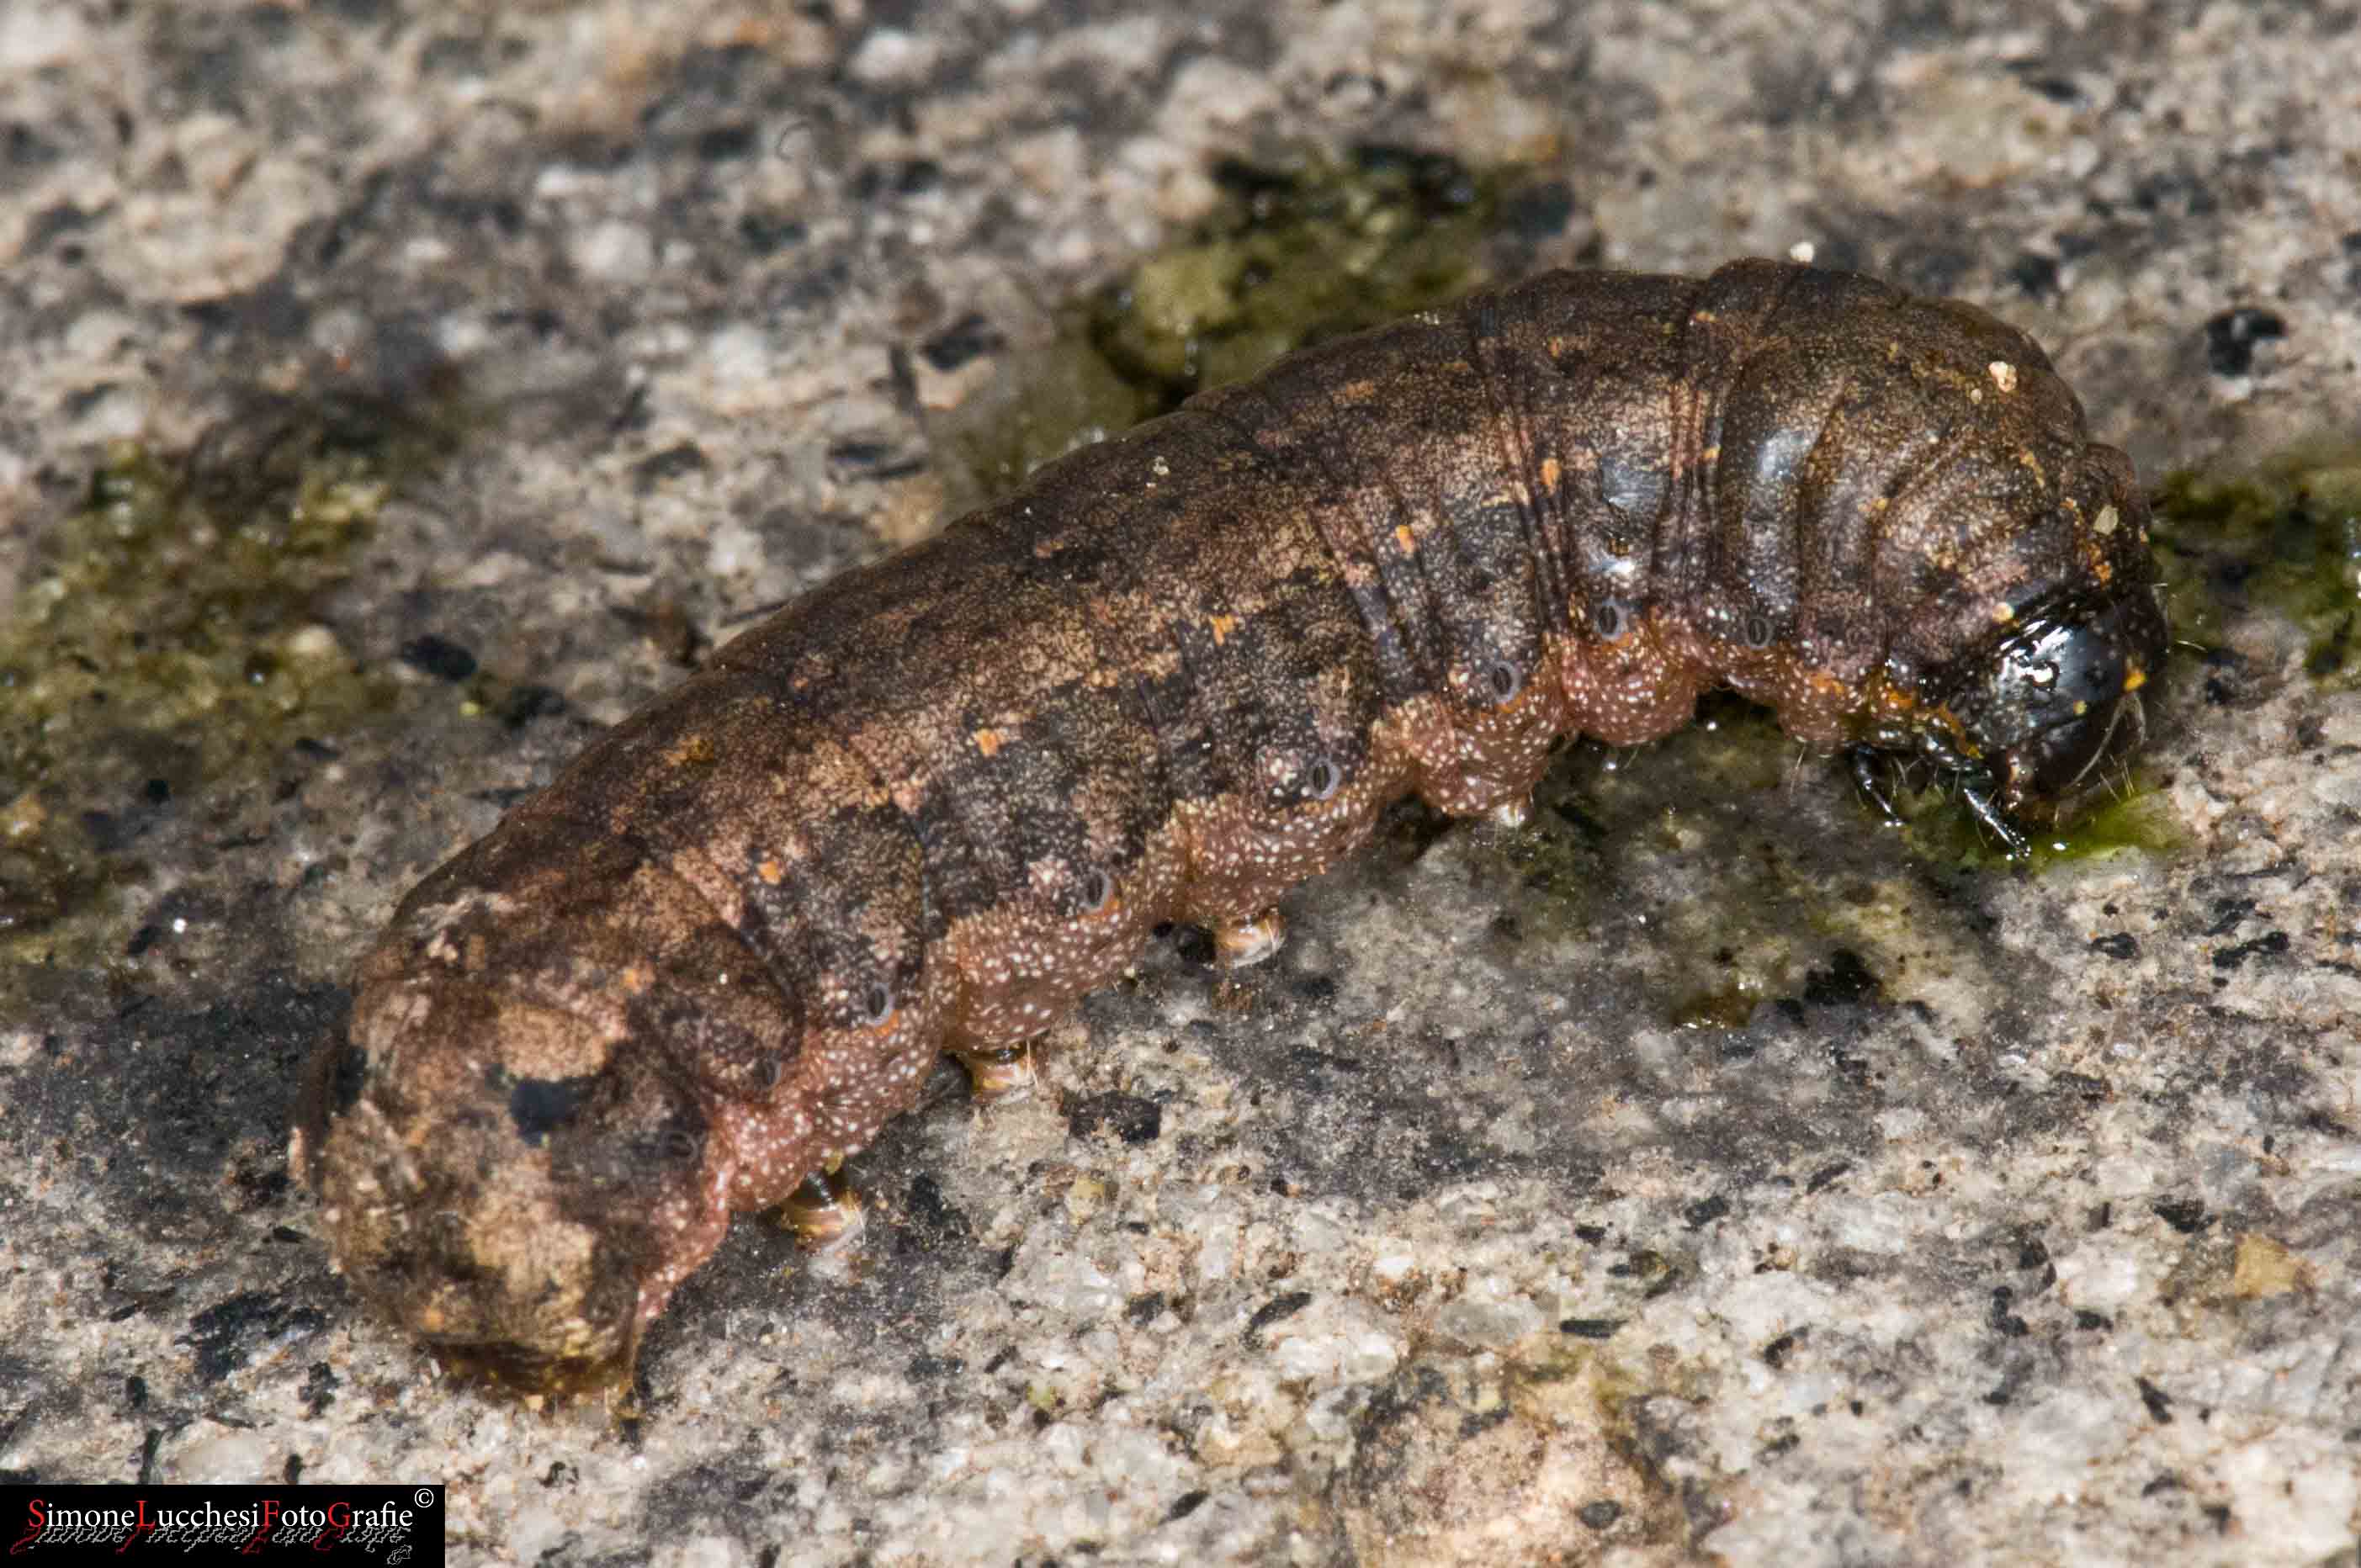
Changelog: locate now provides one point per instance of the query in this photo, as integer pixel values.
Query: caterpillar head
(2052, 710)
(2059, 707)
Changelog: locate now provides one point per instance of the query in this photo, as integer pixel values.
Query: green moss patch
(1294, 254)
(166, 642)
(2286, 538)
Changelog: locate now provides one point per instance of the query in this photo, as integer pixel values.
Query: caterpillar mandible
(936, 800)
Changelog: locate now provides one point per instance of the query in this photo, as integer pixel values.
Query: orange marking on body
(1943, 719)
(770, 871)
(1223, 626)
(1552, 472)
(637, 978)
(690, 748)
(2135, 679)
(1406, 539)
(2094, 557)
(987, 742)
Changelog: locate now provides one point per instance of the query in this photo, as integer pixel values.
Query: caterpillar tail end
(525, 1230)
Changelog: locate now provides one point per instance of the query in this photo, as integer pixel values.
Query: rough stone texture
(2026, 1232)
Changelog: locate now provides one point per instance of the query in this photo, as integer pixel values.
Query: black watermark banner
(384, 1525)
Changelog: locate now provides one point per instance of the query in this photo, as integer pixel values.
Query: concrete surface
(1987, 1216)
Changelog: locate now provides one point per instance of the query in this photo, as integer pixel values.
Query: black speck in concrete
(1845, 981)
(723, 143)
(1129, 1116)
(439, 657)
(2230, 338)
(2229, 913)
(2035, 275)
(934, 1213)
(767, 233)
(2235, 958)
(873, 460)
(524, 704)
(1274, 1311)
(674, 462)
(969, 338)
(1705, 1211)
(1600, 1514)
(223, 1336)
(1590, 1327)
(319, 1391)
(1539, 212)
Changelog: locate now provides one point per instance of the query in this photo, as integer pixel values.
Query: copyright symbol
(423, 1497)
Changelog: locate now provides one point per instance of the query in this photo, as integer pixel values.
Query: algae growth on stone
(166, 643)
(2285, 537)
(1291, 255)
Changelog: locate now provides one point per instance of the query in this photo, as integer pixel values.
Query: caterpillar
(936, 800)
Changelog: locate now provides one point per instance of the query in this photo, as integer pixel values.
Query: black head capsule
(2054, 709)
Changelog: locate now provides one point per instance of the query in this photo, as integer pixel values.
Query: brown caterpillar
(935, 801)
